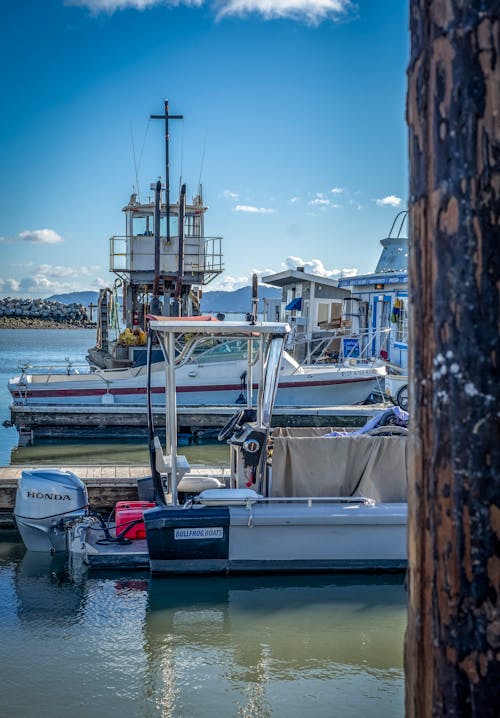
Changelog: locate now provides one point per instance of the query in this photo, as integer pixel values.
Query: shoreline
(26, 323)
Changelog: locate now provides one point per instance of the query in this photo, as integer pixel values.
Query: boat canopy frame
(270, 338)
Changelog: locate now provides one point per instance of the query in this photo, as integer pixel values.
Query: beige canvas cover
(307, 463)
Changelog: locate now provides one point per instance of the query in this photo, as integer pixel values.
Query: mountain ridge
(238, 300)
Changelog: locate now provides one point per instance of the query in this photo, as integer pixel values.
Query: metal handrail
(319, 344)
(206, 258)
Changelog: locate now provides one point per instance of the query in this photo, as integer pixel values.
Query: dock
(46, 421)
(105, 484)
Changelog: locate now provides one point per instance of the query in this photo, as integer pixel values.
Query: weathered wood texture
(452, 652)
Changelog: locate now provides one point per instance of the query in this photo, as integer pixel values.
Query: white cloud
(260, 273)
(389, 201)
(348, 272)
(43, 236)
(320, 202)
(9, 285)
(294, 200)
(38, 283)
(36, 236)
(316, 266)
(310, 11)
(229, 284)
(67, 272)
(254, 210)
(110, 6)
(312, 266)
(228, 194)
(54, 280)
(337, 190)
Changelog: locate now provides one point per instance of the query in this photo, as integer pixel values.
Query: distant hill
(217, 301)
(84, 298)
(238, 301)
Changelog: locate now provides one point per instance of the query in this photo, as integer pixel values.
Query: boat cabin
(380, 299)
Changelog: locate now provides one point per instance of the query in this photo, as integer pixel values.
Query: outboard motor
(46, 500)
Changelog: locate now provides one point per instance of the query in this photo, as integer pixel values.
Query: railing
(65, 367)
(202, 255)
(361, 344)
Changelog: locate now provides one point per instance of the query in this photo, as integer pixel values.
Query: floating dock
(46, 421)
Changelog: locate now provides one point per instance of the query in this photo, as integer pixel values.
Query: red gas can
(126, 512)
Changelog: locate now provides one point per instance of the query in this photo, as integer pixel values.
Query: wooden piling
(452, 652)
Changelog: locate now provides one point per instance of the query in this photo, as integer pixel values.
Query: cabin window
(227, 351)
(402, 322)
(329, 315)
(322, 313)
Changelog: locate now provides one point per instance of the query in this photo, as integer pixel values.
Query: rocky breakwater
(40, 313)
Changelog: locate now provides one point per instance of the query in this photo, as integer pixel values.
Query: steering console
(235, 422)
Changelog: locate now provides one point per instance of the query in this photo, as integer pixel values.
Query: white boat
(214, 375)
(320, 503)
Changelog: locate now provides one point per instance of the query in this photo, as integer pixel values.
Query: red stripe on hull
(51, 393)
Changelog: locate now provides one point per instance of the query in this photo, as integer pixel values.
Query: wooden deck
(105, 484)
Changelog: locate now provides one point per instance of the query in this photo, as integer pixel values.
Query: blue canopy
(294, 304)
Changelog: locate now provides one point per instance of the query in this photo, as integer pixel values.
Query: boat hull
(300, 391)
(277, 537)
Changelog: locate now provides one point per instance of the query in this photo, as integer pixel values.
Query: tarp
(306, 463)
(294, 304)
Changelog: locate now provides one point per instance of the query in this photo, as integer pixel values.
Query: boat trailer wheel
(228, 429)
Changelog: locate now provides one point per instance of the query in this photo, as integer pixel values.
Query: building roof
(386, 278)
(292, 276)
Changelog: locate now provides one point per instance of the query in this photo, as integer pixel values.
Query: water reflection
(45, 590)
(348, 618)
(262, 640)
(125, 453)
(240, 646)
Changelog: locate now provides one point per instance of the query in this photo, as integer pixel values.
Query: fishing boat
(161, 263)
(292, 502)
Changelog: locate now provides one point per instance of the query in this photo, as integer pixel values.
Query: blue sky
(294, 116)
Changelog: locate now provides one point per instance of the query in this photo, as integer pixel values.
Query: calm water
(131, 646)
(128, 645)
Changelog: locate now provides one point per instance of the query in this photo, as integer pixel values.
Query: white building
(312, 305)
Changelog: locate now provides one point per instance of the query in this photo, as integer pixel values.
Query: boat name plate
(206, 532)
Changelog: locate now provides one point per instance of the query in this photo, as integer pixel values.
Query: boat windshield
(232, 350)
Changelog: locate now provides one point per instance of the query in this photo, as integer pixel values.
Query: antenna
(203, 157)
(135, 160)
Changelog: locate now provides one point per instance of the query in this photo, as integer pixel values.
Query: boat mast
(167, 117)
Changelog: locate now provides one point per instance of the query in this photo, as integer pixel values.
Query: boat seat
(186, 484)
(197, 484)
(163, 463)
